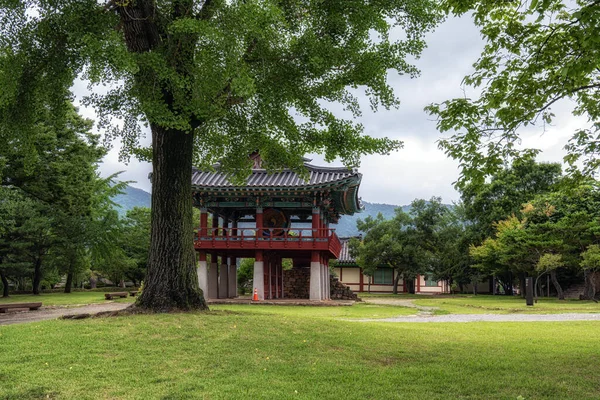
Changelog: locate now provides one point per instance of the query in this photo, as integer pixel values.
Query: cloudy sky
(420, 169)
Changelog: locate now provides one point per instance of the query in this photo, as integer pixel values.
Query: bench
(30, 306)
(133, 293)
(109, 296)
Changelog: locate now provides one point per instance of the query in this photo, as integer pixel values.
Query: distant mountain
(347, 224)
(132, 197)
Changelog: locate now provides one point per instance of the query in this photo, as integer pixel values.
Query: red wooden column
(418, 284)
(203, 222)
(316, 221)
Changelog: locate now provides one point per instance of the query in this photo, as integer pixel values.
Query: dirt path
(425, 314)
(54, 312)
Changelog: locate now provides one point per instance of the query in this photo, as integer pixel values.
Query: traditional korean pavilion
(271, 217)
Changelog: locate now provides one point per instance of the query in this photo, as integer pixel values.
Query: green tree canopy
(536, 54)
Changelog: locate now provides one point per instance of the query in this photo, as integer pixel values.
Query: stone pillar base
(223, 281)
(316, 288)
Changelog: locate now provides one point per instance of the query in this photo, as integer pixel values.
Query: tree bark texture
(410, 284)
(396, 280)
(522, 284)
(589, 290)
(37, 276)
(171, 280)
(559, 291)
(4, 284)
(69, 283)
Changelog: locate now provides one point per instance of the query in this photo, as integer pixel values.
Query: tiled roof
(345, 257)
(260, 178)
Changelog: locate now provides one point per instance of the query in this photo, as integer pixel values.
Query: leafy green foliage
(236, 71)
(536, 54)
(245, 275)
(505, 194)
(420, 242)
(52, 198)
(549, 262)
(551, 232)
(591, 258)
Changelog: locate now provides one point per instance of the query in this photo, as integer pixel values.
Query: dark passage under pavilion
(271, 217)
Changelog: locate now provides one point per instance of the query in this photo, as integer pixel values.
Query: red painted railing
(268, 238)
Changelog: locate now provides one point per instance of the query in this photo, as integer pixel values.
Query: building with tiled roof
(269, 217)
(382, 281)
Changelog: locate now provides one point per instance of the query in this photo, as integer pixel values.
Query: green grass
(486, 304)
(408, 296)
(357, 311)
(259, 352)
(61, 299)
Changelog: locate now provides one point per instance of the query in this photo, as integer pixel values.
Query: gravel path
(51, 312)
(425, 314)
(490, 318)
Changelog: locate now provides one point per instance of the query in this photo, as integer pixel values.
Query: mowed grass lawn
(62, 299)
(254, 352)
(487, 304)
(357, 311)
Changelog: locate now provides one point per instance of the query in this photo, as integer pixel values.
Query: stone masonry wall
(339, 291)
(296, 285)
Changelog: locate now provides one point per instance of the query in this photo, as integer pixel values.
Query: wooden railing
(269, 238)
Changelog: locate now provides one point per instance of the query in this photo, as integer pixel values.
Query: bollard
(529, 291)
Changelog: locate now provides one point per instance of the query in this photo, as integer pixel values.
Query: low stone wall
(296, 285)
(339, 291)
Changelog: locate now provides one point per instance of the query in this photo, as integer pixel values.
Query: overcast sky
(420, 169)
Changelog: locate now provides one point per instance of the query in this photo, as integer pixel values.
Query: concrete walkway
(425, 314)
(491, 318)
(54, 312)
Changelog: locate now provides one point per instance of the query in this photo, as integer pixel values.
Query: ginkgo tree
(214, 80)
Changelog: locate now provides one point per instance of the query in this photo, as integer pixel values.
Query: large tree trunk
(559, 291)
(171, 280)
(395, 287)
(37, 275)
(4, 284)
(410, 284)
(522, 284)
(69, 283)
(589, 290)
